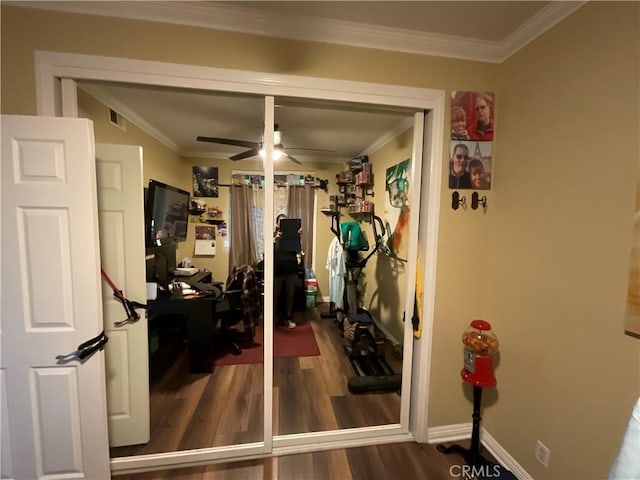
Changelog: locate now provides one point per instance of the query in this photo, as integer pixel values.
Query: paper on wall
(205, 247)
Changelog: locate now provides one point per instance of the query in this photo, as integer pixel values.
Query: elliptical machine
(373, 373)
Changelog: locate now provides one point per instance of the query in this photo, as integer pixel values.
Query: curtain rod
(321, 186)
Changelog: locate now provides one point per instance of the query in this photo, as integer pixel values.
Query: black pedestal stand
(471, 455)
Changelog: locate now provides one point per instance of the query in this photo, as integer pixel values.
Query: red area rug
(296, 342)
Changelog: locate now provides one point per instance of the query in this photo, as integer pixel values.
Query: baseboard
(462, 431)
(449, 433)
(503, 457)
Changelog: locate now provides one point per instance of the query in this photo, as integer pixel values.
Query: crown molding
(547, 18)
(102, 96)
(386, 138)
(243, 20)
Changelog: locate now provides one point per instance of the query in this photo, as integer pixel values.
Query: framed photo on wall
(205, 182)
(472, 135)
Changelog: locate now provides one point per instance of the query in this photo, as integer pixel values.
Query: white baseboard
(462, 431)
(503, 457)
(449, 433)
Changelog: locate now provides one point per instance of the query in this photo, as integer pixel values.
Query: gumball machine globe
(480, 339)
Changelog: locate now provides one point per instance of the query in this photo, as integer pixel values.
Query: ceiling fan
(255, 148)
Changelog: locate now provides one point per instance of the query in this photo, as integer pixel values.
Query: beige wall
(559, 242)
(547, 263)
(386, 278)
(219, 264)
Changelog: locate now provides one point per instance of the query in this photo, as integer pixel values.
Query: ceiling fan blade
(293, 159)
(229, 141)
(241, 156)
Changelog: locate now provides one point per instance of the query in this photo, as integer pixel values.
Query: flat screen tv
(167, 214)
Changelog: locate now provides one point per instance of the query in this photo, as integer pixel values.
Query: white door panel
(121, 214)
(50, 301)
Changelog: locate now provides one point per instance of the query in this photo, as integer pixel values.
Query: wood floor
(190, 411)
(406, 461)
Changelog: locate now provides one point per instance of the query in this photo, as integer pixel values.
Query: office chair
(240, 302)
(229, 312)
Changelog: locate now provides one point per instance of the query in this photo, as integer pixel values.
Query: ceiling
(481, 30)
(311, 129)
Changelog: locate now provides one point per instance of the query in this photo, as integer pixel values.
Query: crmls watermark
(475, 471)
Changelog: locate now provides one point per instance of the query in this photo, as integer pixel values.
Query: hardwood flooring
(190, 411)
(406, 461)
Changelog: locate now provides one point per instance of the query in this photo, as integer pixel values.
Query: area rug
(296, 342)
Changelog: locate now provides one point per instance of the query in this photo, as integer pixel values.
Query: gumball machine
(480, 345)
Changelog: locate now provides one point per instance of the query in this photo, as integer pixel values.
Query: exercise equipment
(373, 373)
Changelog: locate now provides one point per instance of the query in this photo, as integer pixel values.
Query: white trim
(449, 433)
(387, 137)
(267, 232)
(409, 303)
(545, 19)
(342, 438)
(324, 30)
(463, 431)
(314, 244)
(319, 441)
(339, 443)
(429, 226)
(69, 98)
(183, 458)
(92, 67)
(503, 457)
(209, 456)
(50, 66)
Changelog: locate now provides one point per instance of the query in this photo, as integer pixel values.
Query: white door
(56, 422)
(122, 253)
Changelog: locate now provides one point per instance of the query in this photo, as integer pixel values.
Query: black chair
(229, 312)
(240, 302)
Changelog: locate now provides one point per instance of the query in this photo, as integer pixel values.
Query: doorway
(412, 423)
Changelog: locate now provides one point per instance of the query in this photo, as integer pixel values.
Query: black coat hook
(456, 201)
(476, 200)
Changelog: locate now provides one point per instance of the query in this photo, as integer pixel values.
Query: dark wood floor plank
(296, 467)
(365, 464)
(292, 418)
(317, 402)
(332, 464)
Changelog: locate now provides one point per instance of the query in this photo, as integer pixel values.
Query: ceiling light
(277, 153)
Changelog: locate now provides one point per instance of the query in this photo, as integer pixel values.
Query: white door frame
(55, 98)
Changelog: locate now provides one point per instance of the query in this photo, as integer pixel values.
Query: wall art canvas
(632, 320)
(396, 215)
(472, 136)
(205, 182)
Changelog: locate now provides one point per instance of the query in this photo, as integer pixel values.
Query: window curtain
(241, 250)
(280, 200)
(246, 243)
(301, 206)
(257, 222)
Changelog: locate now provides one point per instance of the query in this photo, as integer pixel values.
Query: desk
(200, 319)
